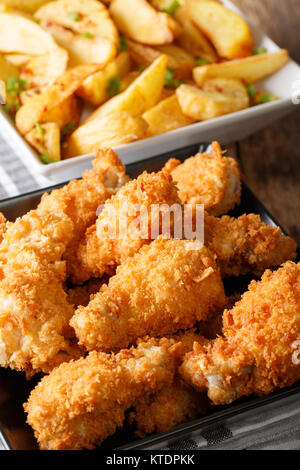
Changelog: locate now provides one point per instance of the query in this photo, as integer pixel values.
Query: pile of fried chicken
(139, 330)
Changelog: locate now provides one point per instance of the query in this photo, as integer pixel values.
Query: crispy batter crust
(209, 179)
(256, 355)
(167, 286)
(82, 402)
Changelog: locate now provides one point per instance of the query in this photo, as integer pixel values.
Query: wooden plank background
(270, 159)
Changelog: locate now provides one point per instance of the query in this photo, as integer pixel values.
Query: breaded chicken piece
(81, 198)
(256, 354)
(82, 402)
(173, 405)
(3, 227)
(167, 286)
(246, 244)
(209, 179)
(101, 252)
(34, 312)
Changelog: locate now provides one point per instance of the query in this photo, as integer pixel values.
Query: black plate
(14, 389)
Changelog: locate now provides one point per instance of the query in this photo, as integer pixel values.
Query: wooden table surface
(270, 159)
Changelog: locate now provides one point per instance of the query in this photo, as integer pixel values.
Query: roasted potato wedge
(43, 70)
(178, 59)
(29, 6)
(84, 28)
(36, 108)
(229, 32)
(141, 95)
(138, 20)
(165, 116)
(21, 35)
(113, 129)
(45, 138)
(217, 97)
(192, 39)
(250, 69)
(95, 88)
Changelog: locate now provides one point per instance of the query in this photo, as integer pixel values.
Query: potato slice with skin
(37, 107)
(90, 37)
(141, 95)
(178, 59)
(82, 50)
(166, 116)
(192, 39)
(138, 20)
(69, 111)
(46, 140)
(106, 131)
(217, 97)
(43, 70)
(229, 32)
(249, 69)
(21, 35)
(95, 88)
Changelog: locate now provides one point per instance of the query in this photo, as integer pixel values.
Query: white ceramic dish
(231, 127)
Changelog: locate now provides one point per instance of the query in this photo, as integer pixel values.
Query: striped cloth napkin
(275, 426)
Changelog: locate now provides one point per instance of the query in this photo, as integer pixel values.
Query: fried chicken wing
(167, 286)
(256, 353)
(101, 252)
(246, 244)
(82, 402)
(34, 312)
(209, 179)
(81, 198)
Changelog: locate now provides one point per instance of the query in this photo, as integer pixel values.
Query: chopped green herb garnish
(39, 128)
(169, 79)
(141, 68)
(123, 44)
(169, 75)
(267, 98)
(73, 15)
(114, 86)
(87, 35)
(259, 50)
(45, 158)
(202, 62)
(67, 129)
(11, 109)
(15, 85)
(251, 90)
(172, 8)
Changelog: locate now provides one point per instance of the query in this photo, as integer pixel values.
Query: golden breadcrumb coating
(100, 253)
(81, 198)
(82, 402)
(168, 285)
(2, 226)
(256, 353)
(209, 179)
(173, 405)
(34, 311)
(246, 244)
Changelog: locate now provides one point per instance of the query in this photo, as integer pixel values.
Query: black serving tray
(15, 434)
